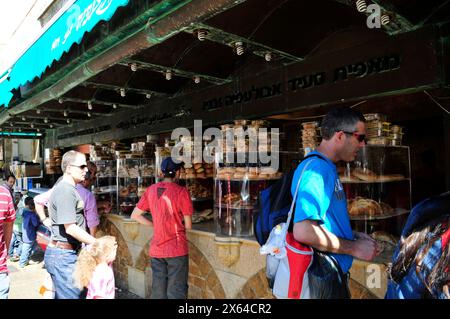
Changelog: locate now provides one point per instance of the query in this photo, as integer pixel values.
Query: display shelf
(396, 212)
(375, 182)
(378, 181)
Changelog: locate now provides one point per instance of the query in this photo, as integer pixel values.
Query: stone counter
(219, 267)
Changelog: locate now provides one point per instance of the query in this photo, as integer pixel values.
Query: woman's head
(414, 246)
(103, 250)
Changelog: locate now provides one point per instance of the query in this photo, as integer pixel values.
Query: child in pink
(94, 268)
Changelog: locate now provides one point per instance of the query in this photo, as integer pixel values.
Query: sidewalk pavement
(26, 282)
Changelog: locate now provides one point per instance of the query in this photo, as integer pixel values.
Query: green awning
(80, 18)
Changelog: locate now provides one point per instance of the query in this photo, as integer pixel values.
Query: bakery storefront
(397, 79)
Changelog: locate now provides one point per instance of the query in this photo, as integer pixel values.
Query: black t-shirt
(65, 206)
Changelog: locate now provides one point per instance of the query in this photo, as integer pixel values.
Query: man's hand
(365, 249)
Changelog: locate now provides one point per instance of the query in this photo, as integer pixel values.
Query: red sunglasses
(359, 137)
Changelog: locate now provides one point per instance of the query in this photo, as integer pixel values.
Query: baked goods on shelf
(384, 240)
(124, 192)
(132, 188)
(364, 174)
(197, 170)
(204, 215)
(360, 206)
(198, 191)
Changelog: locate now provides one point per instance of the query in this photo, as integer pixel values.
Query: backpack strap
(294, 198)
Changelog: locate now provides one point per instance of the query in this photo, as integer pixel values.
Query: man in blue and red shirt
(171, 208)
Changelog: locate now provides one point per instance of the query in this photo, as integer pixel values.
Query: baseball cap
(169, 166)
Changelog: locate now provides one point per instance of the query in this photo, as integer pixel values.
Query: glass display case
(105, 188)
(133, 177)
(236, 195)
(198, 179)
(378, 189)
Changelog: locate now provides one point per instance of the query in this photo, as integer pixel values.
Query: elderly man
(66, 212)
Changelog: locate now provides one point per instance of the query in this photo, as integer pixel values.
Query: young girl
(94, 268)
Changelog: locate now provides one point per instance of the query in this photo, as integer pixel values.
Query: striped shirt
(7, 214)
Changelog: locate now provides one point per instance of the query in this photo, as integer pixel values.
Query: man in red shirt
(7, 217)
(171, 208)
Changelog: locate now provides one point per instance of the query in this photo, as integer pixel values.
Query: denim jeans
(27, 250)
(4, 285)
(16, 244)
(170, 277)
(60, 264)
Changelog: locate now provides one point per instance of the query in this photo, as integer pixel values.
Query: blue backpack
(274, 204)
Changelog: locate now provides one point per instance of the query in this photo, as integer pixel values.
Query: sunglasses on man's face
(359, 137)
(80, 166)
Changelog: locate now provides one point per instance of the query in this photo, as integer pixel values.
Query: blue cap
(169, 166)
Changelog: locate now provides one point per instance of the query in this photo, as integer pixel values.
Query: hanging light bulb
(38, 111)
(68, 121)
(65, 113)
(60, 100)
(385, 19)
(133, 67)
(114, 106)
(11, 124)
(51, 125)
(268, 56)
(32, 125)
(23, 118)
(148, 95)
(89, 114)
(20, 130)
(196, 79)
(46, 120)
(239, 47)
(168, 75)
(122, 92)
(89, 105)
(201, 34)
(361, 5)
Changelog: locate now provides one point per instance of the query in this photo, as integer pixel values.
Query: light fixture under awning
(80, 18)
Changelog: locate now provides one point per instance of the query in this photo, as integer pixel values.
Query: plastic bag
(275, 250)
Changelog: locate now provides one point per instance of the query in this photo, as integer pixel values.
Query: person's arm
(137, 215)
(91, 214)
(93, 230)
(187, 221)
(308, 232)
(79, 233)
(7, 233)
(40, 201)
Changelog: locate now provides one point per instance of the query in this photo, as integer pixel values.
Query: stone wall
(219, 267)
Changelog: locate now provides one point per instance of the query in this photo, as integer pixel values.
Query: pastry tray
(396, 212)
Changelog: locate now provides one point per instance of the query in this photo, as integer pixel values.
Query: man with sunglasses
(321, 217)
(66, 212)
